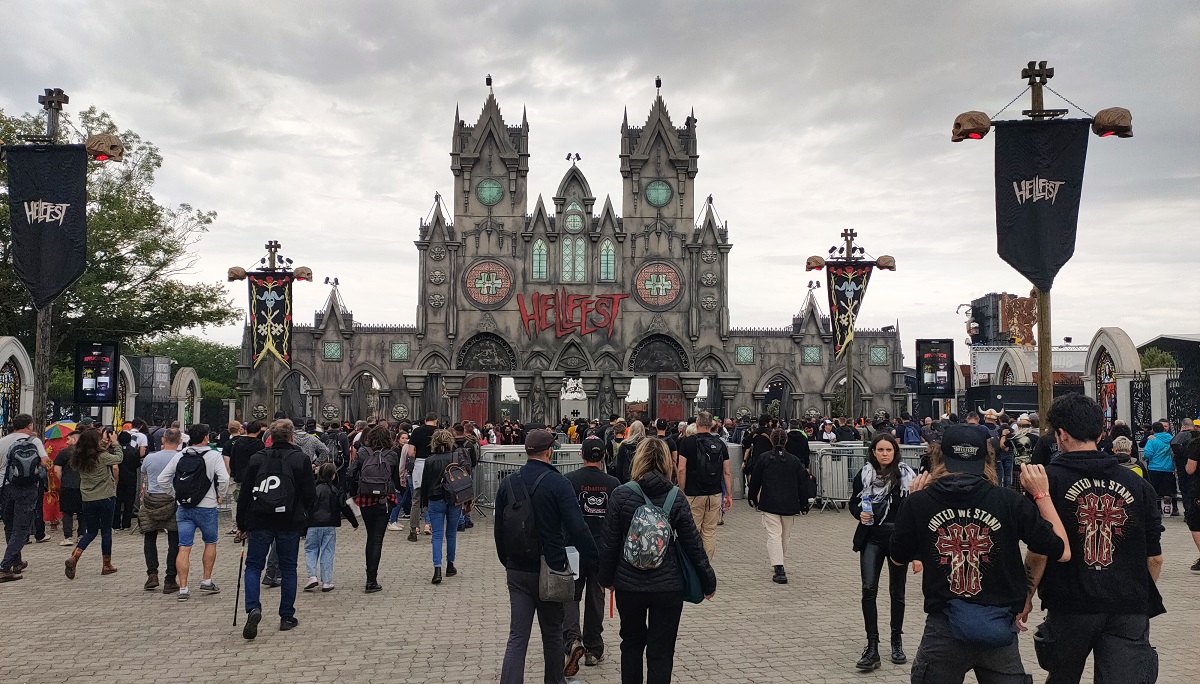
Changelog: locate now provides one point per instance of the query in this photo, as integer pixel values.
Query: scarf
(877, 489)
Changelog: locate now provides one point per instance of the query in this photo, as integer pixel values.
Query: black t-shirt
(797, 445)
(240, 451)
(1114, 524)
(70, 477)
(688, 451)
(1046, 449)
(593, 487)
(131, 460)
(420, 439)
(966, 532)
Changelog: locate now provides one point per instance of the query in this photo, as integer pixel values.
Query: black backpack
(521, 541)
(332, 442)
(710, 465)
(274, 489)
(375, 474)
(155, 439)
(191, 481)
(24, 463)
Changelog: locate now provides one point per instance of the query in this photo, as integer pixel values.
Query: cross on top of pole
(54, 98)
(849, 234)
(1037, 73)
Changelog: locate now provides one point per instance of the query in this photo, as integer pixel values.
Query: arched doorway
(10, 394)
(778, 389)
(661, 359)
(294, 399)
(364, 396)
(493, 359)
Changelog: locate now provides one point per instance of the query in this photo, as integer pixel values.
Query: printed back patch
(1100, 513)
(964, 542)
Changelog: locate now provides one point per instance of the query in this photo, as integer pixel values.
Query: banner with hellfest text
(1039, 181)
(47, 201)
(271, 316)
(846, 283)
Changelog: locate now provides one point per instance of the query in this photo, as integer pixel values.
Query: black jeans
(1119, 644)
(150, 546)
(20, 503)
(870, 562)
(523, 604)
(589, 590)
(649, 624)
(376, 519)
(126, 493)
(942, 659)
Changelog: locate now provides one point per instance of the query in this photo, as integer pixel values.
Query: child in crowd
(323, 521)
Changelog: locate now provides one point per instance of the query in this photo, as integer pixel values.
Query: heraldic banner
(271, 316)
(1039, 180)
(47, 201)
(847, 283)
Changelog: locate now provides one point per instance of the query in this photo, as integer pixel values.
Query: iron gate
(1139, 403)
(1183, 396)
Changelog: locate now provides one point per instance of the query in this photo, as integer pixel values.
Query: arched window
(539, 260)
(608, 261)
(574, 260)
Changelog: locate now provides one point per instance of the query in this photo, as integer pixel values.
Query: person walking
(324, 519)
(465, 439)
(404, 503)
(953, 517)
(779, 490)
(158, 514)
(69, 499)
(624, 461)
(1192, 519)
(593, 489)
(1179, 444)
(1101, 601)
(238, 457)
(414, 468)
(536, 518)
(879, 489)
(274, 505)
(703, 473)
(198, 479)
(374, 475)
(127, 481)
(95, 455)
(650, 600)
(1161, 473)
(22, 469)
(442, 513)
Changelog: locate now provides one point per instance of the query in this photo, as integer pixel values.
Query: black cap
(661, 424)
(538, 440)
(593, 449)
(964, 449)
(613, 417)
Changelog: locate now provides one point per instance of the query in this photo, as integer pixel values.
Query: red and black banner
(846, 283)
(47, 202)
(1039, 181)
(271, 316)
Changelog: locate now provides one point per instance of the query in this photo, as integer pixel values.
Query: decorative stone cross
(487, 283)
(658, 285)
(575, 413)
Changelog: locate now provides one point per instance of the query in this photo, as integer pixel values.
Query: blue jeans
(99, 516)
(1004, 469)
(443, 518)
(320, 542)
(287, 545)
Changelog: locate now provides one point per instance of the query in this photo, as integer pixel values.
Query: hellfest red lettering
(569, 313)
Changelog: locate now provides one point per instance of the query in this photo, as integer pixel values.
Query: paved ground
(107, 629)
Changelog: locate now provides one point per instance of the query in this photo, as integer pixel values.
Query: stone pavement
(107, 629)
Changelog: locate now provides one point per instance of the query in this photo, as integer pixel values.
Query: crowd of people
(640, 518)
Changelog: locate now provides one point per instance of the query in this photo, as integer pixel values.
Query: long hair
(652, 456)
(778, 439)
(636, 432)
(442, 442)
(890, 472)
(937, 464)
(87, 450)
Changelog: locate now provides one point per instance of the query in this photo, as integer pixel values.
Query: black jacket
(797, 445)
(616, 573)
(559, 520)
(302, 482)
(435, 468)
(1107, 572)
(880, 531)
(330, 507)
(624, 462)
(778, 484)
(241, 448)
(361, 455)
(966, 532)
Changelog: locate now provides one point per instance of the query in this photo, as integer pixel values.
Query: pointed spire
(524, 119)
(625, 120)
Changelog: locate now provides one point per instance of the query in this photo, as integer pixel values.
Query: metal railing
(836, 465)
(497, 461)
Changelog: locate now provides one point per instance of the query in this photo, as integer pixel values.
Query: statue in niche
(537, 403)
(608, 401)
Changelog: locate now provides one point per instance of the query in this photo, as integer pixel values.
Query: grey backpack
(650, 531)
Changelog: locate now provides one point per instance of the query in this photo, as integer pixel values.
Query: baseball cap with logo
(538, 440)
(964, 449)
(593, 449)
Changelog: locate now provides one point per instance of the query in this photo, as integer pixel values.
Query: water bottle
(866, 508)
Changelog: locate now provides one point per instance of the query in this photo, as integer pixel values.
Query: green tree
(137, 250)
(773, 409)
(1157, 358)
(213, 361)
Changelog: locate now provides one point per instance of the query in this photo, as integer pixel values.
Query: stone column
(314, 404)
(729, 383)
(621, 382)
(760, 406)
(797, 408)
(414, 384)
(552, 382)
(1124, 398)
(1158, 391)
(230, 410)
(524, 382)
(452, 383)
(591, 387)
(690, 382)
(384, 408)
(344, 397)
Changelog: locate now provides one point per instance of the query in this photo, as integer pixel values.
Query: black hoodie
(965, 530)
(1114, 524)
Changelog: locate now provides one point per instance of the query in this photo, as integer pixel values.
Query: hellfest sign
(569, 313)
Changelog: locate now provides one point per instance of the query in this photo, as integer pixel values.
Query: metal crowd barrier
(497, 461)
(836, 465)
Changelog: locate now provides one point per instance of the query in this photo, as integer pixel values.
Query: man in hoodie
(275, 518)
(1161, 466)
(965, 530)
(202, 516)
(1102, 600)
(158, 513)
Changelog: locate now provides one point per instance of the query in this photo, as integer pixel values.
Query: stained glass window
(189, 405)
(489, 191)
(658, 193)
(10, 395)
(399, 351)
(574, 260)
(811, 356)
(1106, 385)
(745, 355)
(574, 206)
(539, 260)
(574, 223)
(608, 261)
(879, 356)
(332, 351)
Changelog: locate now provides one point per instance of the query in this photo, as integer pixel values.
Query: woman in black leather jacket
(376, 442)
(884, 480)
(650, 601)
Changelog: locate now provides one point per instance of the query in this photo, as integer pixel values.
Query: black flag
(271, 316)
(1039, 180)
(47, 202)
(846, 283)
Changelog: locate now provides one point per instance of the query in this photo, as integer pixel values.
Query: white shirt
(139, 440)
(214, 467)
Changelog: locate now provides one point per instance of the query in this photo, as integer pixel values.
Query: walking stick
(237, 594)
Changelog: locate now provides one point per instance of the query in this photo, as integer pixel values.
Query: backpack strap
(670, 502)
(632, 484)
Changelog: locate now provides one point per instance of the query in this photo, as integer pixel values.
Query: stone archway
(16, 382)
(662, 358)
(185, 392)
(491, 357)
(1111, 365)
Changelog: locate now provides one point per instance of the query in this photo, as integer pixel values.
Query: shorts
(1163, 482)
(189, 519)
(1192, 517)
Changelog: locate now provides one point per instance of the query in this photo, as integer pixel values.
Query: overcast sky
(326, 126)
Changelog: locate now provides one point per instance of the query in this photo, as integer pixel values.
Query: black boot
(437, 575)
(780, 576)
(870, 657)
(898, 656)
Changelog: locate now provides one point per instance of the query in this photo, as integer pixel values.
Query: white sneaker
(67, 542)
(394, 527)
(312, 584)
(327, 587)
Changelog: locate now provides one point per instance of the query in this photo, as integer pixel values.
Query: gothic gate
(668, 400)
(474, 400)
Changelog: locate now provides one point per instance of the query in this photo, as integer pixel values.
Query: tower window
(608, 261)
(574, 260)
(539, 260)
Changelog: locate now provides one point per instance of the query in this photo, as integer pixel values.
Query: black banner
(847, 283)
(1039, 180)
(935, 368)
(271, 316)
(47, 202)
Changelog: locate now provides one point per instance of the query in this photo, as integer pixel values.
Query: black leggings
(871, 561)
(376, 519)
